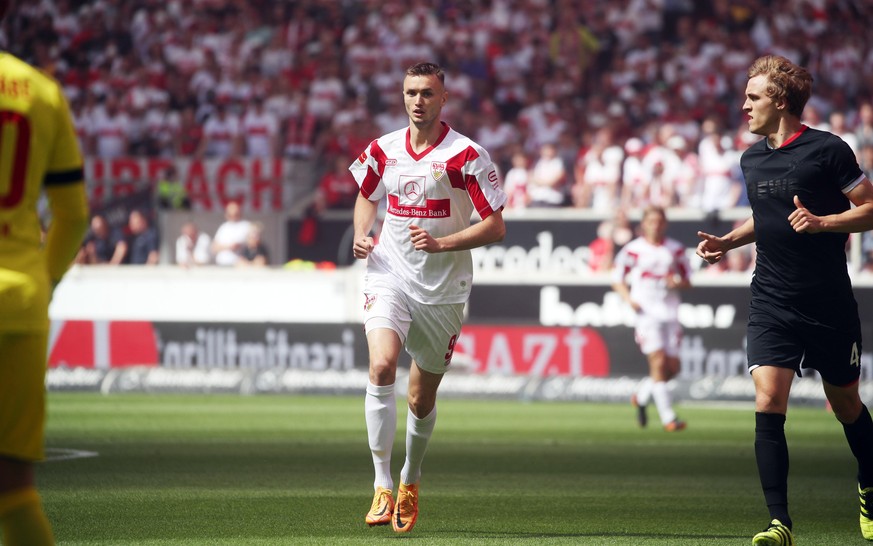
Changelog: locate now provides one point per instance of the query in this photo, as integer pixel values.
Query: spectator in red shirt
(337, 188)
(190, 133)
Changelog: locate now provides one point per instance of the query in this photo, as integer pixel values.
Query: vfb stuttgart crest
(437, 169)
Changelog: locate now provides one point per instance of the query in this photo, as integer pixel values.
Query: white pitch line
(54, 454)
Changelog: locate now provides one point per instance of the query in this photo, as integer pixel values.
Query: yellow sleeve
(69, 207)
(65, 155)
(68, 201)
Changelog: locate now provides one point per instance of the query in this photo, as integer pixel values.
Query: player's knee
(846, 409)
(420, 404)
(659, 371)
(845, 402)
(382, 371)
(768, 402)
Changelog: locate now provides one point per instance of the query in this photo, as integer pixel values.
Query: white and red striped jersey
(645, 267)
(220, 134)
(111, 133)
(259, 129)
(437, 190)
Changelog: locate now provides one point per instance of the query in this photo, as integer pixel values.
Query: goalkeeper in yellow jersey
(38, 151)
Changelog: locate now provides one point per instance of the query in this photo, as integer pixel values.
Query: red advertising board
(102, 344)
(534, 350)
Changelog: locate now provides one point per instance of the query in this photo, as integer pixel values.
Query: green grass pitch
(271, 470)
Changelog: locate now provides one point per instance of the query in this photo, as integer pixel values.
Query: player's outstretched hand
(363, 246)
(710, 248)
(802, 220)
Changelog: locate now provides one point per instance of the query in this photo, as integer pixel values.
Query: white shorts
(655, 335)
(428, 331)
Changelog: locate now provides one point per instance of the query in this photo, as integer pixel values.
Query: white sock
(644, 392)
(663, 402)
(380, 409)
(418, 432)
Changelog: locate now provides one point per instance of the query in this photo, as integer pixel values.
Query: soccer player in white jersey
(419, 272)
(649, 272)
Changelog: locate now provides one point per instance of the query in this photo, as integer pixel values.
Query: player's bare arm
(856, 219)
(364, 218)
(678, 282)
(712, 248)
(490, 230)
(623, 290)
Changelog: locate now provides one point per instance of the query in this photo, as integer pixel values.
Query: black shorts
(826, 338)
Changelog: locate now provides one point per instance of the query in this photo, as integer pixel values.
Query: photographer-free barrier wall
(540, 324)
(278, 331)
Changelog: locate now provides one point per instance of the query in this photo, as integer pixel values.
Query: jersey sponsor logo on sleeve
(390, 162)
(492, 178)
(363, 157)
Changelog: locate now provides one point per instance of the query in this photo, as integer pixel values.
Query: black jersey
(799, 268)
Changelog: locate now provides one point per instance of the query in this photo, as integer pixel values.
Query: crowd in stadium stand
(580, 103)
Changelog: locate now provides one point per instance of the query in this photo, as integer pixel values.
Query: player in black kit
(801, 185)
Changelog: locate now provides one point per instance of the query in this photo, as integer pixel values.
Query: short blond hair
(786, 81)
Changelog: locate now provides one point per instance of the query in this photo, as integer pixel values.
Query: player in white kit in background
(419, 272)
(649, 272)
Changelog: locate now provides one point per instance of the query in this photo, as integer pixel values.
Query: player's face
(654, 227)
(762, 112)
(232, 212)
(424, 97)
